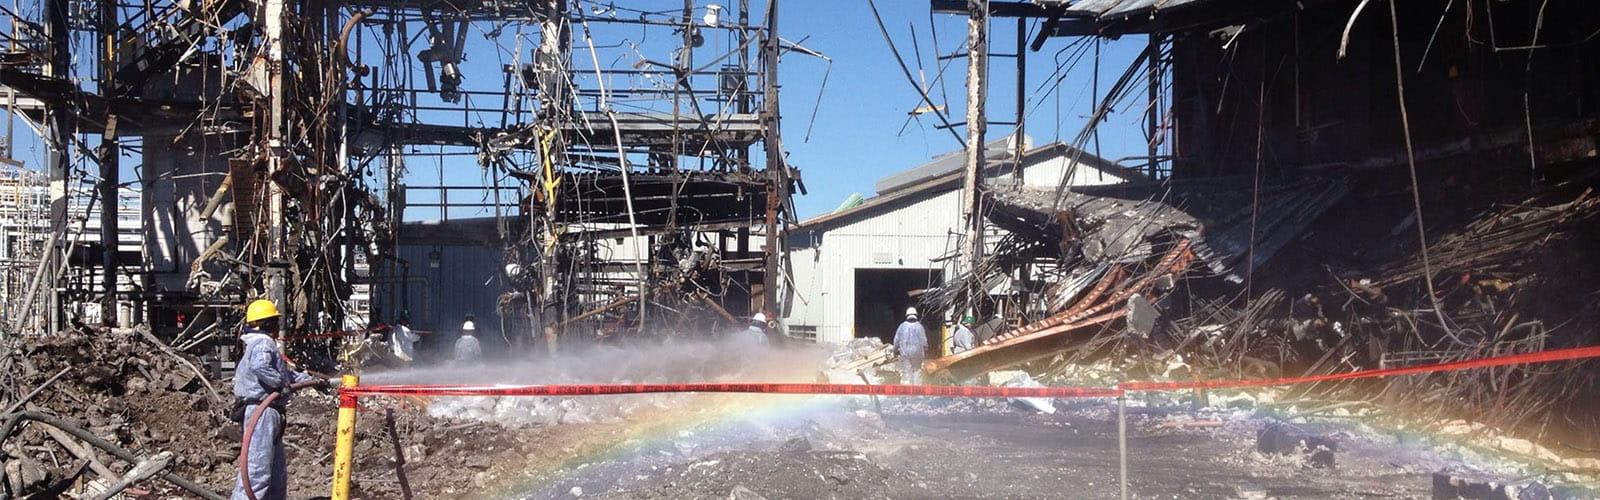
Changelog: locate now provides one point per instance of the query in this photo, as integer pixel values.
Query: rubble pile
(1220, 279)
(123, 388)
(862, 360)
(119, 387)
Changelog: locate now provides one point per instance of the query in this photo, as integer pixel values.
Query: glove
(325, 386)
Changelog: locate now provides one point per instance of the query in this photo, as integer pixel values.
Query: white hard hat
(759, 318)
(468, 326)
(911, 312)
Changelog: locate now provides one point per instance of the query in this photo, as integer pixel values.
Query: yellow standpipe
(945, 341)
(344, 446)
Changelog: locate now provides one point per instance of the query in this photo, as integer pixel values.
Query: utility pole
(58, 38)
(1018, 145)
(551, 62)
(110, 153)
(1154, 116)
(972, 181)
(345, 239)
(777, 172)
(273, 13)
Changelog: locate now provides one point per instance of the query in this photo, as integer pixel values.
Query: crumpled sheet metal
(1098, 307)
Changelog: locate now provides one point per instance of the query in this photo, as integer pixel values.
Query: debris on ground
(121, 387)
(1285, 439)
(1454, 484)
(863, 360)
(1022, 379)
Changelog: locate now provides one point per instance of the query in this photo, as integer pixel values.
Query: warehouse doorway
(882, 296)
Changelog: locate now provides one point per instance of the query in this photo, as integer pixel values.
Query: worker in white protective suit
(467, 347)
(962, 339)
(911, 343)
(262, 371)
(756, 334)
(403, 341)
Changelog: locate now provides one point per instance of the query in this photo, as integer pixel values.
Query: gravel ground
(928, 449)
(693, 446)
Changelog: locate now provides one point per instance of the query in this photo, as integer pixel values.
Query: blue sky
(860, 131)
(857, 137)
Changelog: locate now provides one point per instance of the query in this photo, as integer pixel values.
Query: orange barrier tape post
(344, 440)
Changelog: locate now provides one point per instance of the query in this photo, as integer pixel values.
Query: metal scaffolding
(625, 153)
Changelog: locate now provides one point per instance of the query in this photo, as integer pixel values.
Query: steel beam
(110, 154)
(777, 170)
(972, 180)
(60, 157)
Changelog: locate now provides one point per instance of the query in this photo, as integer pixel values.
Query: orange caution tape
(851, 389)
(946, 390)
(1512, 359)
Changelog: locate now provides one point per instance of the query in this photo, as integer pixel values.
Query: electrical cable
(1411, 162)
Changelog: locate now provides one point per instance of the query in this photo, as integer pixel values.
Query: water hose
(250, 428)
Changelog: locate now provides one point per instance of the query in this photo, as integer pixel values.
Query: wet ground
(746, 446)
(934, 449)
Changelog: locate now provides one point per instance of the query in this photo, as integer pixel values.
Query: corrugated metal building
(852, 268)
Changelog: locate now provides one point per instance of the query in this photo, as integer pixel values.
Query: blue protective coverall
(262, 371)
(961, 340)
(468, 349)
(911, 341)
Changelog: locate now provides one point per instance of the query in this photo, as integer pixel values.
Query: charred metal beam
(654, 130)
(600, 310)
(129, 79)
(58, 124)
(110, 172)
(777, 169)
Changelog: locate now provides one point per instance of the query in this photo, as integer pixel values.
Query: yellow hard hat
(260, 310)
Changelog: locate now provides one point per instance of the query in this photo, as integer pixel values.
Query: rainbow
(700, 414)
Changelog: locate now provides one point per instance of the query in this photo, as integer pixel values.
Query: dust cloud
(676, 361)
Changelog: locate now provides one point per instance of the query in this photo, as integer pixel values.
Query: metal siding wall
(809, 291)
(468, 281)
(1047, 174)
(173, 235)
(913, 235)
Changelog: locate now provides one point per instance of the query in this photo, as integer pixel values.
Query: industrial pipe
(344, 36)
(613, 305)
